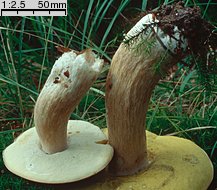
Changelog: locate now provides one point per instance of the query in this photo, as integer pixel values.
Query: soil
(199, 33)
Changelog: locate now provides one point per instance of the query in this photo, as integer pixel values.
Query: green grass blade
(144, 5)
(119, 10)
(87, 18)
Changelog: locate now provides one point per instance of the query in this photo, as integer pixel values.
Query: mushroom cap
(84, 157)
(175, 163)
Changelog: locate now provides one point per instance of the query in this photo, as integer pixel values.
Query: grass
(179, 105)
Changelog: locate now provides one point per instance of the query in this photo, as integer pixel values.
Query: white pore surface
(150, 21)
(83, 158)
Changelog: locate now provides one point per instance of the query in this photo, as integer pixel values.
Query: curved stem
(133, 75)
(71, 76)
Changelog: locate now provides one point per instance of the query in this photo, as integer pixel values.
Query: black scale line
(2, 10)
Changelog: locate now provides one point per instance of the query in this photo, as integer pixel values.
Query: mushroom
(155, 44)
(59, 150)
(143, 160)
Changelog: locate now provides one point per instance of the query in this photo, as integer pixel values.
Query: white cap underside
(83, 157)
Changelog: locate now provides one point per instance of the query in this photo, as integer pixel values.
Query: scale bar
(33, 12)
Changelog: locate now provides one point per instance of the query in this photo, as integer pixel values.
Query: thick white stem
(135, 71)
(71, 76)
